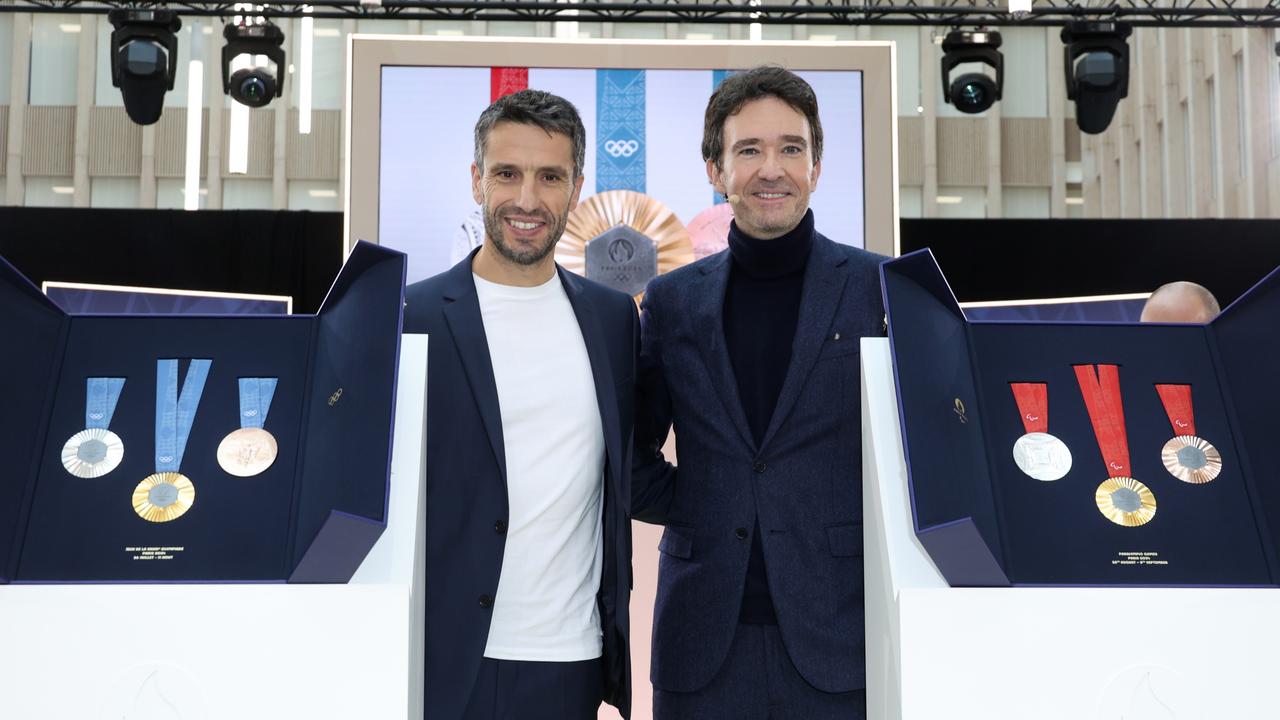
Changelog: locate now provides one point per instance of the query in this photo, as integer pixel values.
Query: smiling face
(527, 189)
(768, 162)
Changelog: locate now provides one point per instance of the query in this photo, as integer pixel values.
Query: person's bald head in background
(1180, 302)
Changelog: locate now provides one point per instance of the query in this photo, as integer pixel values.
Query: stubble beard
(495, 225)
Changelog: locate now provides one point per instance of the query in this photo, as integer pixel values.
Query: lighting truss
(955, 13)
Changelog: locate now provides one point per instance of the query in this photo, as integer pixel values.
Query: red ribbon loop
(1033, 405)
(1177, 405)
(1102, 398)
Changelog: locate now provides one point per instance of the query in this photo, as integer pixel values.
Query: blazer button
(500, 527)
(758, 466)
(486, 601)
(741, 533)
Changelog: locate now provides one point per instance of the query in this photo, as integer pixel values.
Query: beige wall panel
(316, 156)
(115, 143)
(1025, 152)
(48, 145)
(910, 151)
(1074, 137)
(4, 136)
(962, 151)
(171, 143)
(262, 142)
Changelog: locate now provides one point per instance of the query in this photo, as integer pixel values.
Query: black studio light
(1097, 71)
(252, 61)
(144, 59)
(972, 92)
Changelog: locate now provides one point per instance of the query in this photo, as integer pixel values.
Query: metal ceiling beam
(958, 13)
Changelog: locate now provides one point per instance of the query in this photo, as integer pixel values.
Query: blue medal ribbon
(175, 414)
(620, 130)
(101, 398)
(255, 400)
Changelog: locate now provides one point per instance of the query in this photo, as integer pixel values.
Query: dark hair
(541, 109)
(758, 82)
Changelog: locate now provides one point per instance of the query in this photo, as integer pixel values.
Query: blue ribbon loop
(175, 414)
(101, 398)
(255, 400)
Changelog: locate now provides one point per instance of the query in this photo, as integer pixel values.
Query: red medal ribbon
(1177, 405)
(506, 80)
(1101, 393)
(1033, 405)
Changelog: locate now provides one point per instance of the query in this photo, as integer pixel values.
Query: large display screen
(644, 133)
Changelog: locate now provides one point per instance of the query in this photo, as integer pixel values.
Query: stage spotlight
(253, 62)
(1097, 71)
(972, 92)
(144, 59)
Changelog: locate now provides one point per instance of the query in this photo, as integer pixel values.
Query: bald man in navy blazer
(752, 353)
(530, 372)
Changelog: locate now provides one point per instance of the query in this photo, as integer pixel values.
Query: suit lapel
(462, 314)
(709, 325)
(601, 369)
(824, 280)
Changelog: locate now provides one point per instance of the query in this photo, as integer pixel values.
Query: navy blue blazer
(466, 491)
(803, 481)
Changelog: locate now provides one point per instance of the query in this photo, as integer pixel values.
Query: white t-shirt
(545, 608)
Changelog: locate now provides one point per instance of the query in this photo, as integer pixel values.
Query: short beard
(494, 227)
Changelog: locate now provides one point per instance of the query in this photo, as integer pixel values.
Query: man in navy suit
(752, 353)
(529, 415)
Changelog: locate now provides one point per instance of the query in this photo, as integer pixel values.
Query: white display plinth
(215, 652)
(936, 652)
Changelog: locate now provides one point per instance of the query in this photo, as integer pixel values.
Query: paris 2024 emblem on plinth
(622, 258)
(622, 238)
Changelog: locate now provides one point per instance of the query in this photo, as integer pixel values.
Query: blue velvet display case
(311, 517)
(985, 523)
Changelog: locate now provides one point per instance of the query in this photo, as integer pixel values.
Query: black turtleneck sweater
(761, 306)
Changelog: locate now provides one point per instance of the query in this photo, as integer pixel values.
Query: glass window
(642, 31)
(910, 201)
(327, 51)
(110, 192)
(6, 54)
(909, 75)
(170, 193)
(962, 202)
(704, 31)
(1026, 70)
(446, 27)
(55, 51)
(246, 194)
(1025, 202)
(828, 33)
(49, 192)
(314, 195)
(513, 28)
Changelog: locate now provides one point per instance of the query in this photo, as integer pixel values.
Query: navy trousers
(758, 682)
(525, 690)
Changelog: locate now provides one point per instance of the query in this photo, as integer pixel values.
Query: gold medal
(163, 496)
(1125, 501)
(247, 452)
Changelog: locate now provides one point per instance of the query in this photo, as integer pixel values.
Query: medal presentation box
(321, 386)
(1108, 409)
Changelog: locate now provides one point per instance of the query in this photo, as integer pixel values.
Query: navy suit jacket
(466, 491)
(803, 480)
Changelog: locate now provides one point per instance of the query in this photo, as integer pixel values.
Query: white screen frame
(368, 54)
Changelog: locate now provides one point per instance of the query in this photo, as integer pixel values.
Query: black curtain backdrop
(295, 253)
(298, 253)
(1016, 259)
